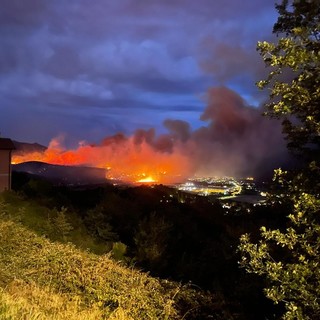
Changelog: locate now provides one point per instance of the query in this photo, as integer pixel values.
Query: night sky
(88, 69)
(141, 80)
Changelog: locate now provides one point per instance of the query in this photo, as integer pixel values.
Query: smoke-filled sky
(155, 71)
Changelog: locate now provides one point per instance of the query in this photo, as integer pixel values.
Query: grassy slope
(43, 279)
(36, 272)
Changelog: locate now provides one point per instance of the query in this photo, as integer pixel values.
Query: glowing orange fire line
(125, 161)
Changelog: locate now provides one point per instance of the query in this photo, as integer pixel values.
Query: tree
(290, 259)
(295, 77)
(61, 226)
(151, 240)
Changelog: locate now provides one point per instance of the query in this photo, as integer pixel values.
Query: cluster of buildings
(229, 190)
(211, 186)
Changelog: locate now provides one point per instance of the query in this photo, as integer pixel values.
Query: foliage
(96, 281)
(26, 300)
(119, 251)
(151, 240)
(63, 225)
(98, 225)
(295, 77)
(289, 257)
(192, 242)
(60, 224)
(41, 279)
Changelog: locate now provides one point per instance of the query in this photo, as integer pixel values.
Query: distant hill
(65, 175)
(24, 147)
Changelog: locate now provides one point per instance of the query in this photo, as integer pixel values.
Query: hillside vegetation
(45, 279)
(187, 244)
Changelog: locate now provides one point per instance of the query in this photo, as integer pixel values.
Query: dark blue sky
(88, 69)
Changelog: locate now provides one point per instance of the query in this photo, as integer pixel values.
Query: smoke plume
(234, 140)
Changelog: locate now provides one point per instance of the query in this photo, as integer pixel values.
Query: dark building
(6, 147)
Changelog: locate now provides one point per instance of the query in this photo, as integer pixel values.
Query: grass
(42, 220)
(51, 268)
(45, 279)
(23, 300)
(41, 279)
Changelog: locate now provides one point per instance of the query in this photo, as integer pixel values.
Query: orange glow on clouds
(124, 160)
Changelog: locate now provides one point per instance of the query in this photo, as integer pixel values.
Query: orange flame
(147, 180)
(124, 160)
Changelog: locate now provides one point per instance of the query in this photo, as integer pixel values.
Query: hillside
(186, 243)
(42, 280)
(24, 147)
(63, 175)
(45, 279)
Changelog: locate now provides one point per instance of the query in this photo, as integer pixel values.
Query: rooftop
(6, 144)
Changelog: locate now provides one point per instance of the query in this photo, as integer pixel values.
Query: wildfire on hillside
(236, 140)
(123, 160)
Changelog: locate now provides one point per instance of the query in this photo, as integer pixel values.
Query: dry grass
(21, 300)
(45, 280)
(42, 278)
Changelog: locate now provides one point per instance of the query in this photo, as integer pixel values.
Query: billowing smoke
(236, 140)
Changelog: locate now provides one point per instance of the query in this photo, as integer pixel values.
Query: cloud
(129, 63)
(22, 14)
